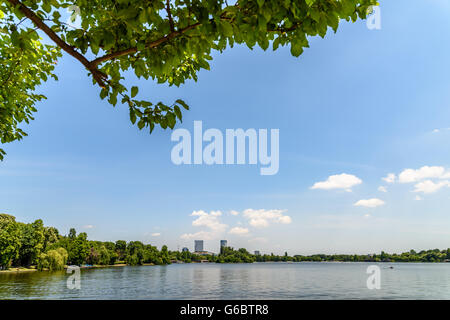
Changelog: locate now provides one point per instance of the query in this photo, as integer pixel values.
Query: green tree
(72, 234)
(32, 242)
(78, 249)
(93, 256)
(121, 247)
(168, 41)
(51, 236)
(10, 237)
(135, 253)
(53, 260)
(164, 255)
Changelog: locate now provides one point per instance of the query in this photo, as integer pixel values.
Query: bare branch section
(169, 15)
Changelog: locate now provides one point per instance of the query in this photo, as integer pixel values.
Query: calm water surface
(236, 281)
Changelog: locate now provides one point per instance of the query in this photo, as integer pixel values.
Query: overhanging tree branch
(97, 74)
(152, 44)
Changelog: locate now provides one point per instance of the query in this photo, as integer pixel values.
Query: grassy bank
(20, 269)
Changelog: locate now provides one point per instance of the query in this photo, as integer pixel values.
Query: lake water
(236, 281)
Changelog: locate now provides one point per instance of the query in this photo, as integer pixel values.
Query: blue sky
(361, 102)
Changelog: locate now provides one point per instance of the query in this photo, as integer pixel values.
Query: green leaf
(134, 91)
(178, 113)
(132, 116)
(296, 49)
(183, 104)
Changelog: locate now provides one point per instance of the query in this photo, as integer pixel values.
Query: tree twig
(169, 15)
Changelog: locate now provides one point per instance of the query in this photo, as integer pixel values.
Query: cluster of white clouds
(346, 181)
(260, 218)
(208, 220)
(427, 179)
(411, 175)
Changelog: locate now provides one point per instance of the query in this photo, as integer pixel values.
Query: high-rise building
(198, 245)
(185, 249)
(257, 253)
(223, 244)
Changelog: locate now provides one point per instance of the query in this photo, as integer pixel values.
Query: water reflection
(238, 281)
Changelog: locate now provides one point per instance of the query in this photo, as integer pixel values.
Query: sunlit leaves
(25, 64)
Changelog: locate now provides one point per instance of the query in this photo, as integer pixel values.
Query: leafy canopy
(169, 41)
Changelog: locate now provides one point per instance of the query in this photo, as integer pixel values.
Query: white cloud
(207, 220)
(439, 130)
(429, 186)
(238, 231)
(156, 234)
(367, 216)
(418, 198)
(426, 172)
(234, 212)
(210, 220)
(390, 178)
(339, 181)
(369, 203)
(262, 218)
(382, 189)
(201, 235)
(89, 226)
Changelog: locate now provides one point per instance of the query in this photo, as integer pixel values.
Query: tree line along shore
(33, 246)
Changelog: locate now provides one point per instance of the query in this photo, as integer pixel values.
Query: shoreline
(19, 270)
(25, 270)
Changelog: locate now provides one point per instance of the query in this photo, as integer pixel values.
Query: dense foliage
(434, 255)
(229, 255)
(24, 245)
(169, 41)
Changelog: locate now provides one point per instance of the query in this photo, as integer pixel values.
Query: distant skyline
(364, 160)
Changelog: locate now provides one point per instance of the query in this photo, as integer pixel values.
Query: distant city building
(198, 246)
(185, 249)
(223, 244)
(257, 253)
